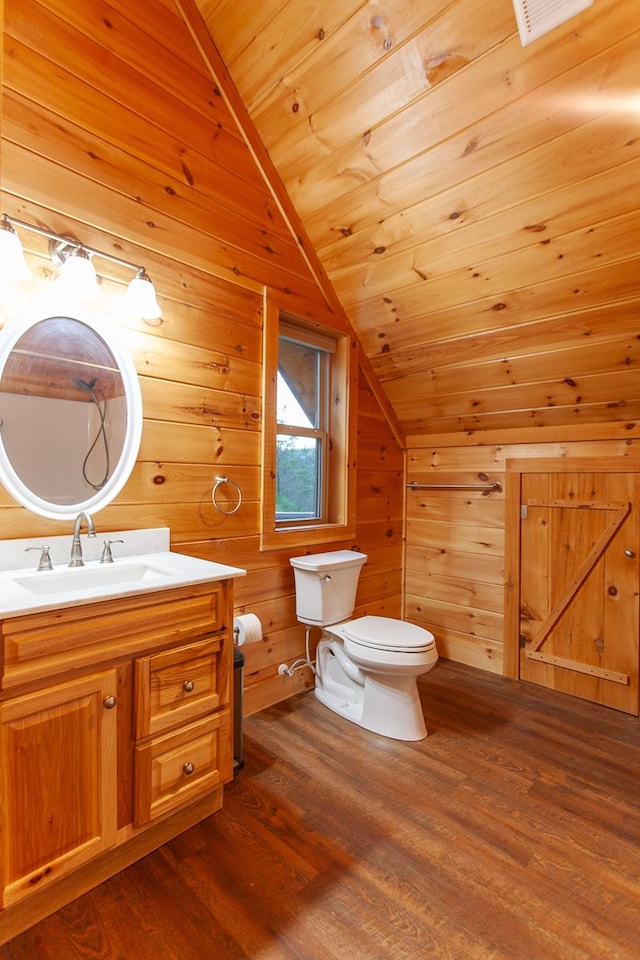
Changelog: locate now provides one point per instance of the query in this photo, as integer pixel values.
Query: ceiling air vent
(537, 17)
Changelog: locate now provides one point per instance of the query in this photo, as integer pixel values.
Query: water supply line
(286, 670)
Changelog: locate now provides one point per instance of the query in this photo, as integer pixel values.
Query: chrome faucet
(76, 547)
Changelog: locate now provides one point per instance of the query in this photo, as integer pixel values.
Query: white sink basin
(51, 582)
(24, 591)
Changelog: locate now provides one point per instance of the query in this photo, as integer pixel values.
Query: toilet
(367, 668)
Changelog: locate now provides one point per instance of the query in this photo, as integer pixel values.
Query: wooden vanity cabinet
(115, 735)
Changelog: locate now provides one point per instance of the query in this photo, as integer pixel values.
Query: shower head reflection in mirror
(99, 399)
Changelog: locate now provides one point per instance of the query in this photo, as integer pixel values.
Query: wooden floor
(512, 831)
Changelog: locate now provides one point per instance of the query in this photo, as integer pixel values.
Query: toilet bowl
(366, 668)
(367, 671)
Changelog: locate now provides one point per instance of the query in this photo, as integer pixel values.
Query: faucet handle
(107, 556)
(45, 559)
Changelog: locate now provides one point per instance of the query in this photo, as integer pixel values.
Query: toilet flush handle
(326, 578)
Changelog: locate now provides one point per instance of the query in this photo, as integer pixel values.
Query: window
(302, 425)
(308, 426)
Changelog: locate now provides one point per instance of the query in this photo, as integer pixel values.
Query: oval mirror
(70, 413)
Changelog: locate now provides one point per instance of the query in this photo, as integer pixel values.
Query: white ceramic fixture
(143, 564)
(366, 668)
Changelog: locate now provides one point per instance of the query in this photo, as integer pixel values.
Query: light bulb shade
(141, 297)
(13, 266)
(77, 279)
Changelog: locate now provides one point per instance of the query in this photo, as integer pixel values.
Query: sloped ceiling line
(221, 77)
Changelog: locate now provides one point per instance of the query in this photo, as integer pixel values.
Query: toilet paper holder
(247, 628)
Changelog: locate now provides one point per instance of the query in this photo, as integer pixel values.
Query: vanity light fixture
(141, 297)
(77, 271)
(77, 277)
(12, 263)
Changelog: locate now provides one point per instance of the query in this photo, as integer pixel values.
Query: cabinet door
(57, 781)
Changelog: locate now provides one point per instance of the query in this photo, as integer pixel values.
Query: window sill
(306, 536)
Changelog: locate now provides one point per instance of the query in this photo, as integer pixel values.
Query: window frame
(340, 463)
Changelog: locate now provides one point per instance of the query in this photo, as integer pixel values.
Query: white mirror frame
(9, 336)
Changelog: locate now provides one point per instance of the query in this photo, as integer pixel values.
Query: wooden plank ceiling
(473, 202)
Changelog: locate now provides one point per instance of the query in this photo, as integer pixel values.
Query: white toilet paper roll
(249, 628)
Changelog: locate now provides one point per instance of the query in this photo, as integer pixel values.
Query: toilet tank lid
(334, 558)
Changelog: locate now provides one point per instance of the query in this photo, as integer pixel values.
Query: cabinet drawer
(175, 768)
(41, 645)
(177, 686)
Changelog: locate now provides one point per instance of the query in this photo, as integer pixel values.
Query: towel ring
(218, 483)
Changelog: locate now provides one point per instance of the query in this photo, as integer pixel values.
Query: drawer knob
(109, 703)
(188, 769)
(188, 686)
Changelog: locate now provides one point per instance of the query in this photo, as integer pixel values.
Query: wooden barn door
(579, 585)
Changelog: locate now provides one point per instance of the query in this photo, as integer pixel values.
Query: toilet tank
(326, 585)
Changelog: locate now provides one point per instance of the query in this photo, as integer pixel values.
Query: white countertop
(142, 564)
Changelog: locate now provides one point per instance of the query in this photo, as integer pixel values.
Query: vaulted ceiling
(473, 201)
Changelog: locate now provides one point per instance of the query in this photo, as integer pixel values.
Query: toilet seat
(375, 632)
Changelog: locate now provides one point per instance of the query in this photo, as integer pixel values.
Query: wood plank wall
(113, 131)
